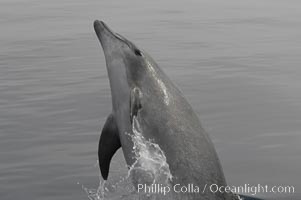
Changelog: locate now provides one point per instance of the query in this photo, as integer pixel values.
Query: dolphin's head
(125, 61)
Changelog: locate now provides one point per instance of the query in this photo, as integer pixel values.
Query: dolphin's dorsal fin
(109, 143)
(135, 102)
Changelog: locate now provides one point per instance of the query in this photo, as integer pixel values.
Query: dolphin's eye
(137, 52)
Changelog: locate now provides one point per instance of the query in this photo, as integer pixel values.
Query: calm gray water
(237, 62)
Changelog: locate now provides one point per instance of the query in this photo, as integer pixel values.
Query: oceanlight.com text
(251, 189)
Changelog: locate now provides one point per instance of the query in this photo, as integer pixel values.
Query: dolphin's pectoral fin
(109, 143)
(135, 102)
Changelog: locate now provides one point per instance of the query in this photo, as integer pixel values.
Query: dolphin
(141, 89)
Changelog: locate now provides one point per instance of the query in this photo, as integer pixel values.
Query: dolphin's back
(169, 120)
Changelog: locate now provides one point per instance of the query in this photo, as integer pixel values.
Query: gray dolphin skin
(138, 85)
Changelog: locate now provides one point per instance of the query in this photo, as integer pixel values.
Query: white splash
(149, 168)
(150, 165)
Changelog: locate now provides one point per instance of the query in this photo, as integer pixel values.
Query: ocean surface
(237, 62)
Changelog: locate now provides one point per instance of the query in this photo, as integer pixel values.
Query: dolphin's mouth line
(97, 27)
